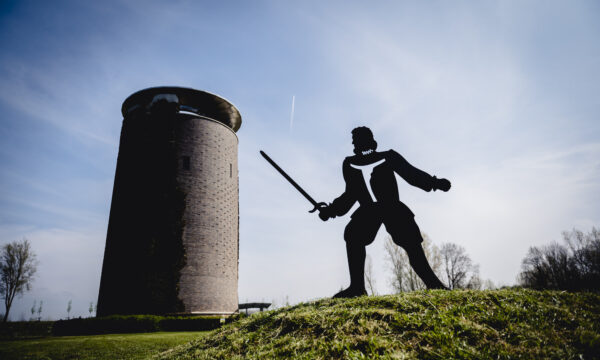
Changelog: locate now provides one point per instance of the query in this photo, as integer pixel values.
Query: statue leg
(356, 265)
(419, 263)
(359, 233)
(405, 232)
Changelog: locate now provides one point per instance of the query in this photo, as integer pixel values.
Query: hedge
(25, 329)
(134, 324)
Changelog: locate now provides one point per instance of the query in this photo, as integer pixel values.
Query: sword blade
(288, 178)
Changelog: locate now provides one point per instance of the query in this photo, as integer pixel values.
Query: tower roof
(190, 100)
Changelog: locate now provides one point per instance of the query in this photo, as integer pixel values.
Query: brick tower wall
(209, 177)
(172, 240)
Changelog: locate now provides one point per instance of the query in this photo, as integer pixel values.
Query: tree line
(573, 265)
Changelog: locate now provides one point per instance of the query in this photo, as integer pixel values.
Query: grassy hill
(436, 324)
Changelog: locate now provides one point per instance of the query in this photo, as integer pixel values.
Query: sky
(500, 97)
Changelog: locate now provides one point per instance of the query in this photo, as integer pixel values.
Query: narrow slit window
(185, 162)
(230, 169)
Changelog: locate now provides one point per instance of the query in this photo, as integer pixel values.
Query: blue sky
(499, 97)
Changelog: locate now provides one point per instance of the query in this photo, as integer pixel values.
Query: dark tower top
(195, 101)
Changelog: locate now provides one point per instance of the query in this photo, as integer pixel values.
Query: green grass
(502, 324)
(121, 346)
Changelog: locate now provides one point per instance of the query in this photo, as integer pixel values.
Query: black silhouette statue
(370, 180)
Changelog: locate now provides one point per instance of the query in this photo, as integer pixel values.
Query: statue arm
(411, 174)
(344, 202)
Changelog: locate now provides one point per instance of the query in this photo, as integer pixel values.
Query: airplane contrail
(292, 113)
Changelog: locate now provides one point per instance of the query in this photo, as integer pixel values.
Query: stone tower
(172, 240)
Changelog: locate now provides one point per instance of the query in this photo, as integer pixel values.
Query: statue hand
(326, 212)
(442, 184)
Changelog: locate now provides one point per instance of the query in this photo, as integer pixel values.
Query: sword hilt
(318, 206)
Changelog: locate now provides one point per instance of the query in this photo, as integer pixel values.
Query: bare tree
(17, 268)
(69, 309)
(403, 276)
(475, 281)
(91, 309)
(39, 310)
(460, 271)
(488, 285)
(369, 278)
(573, 266)
(33, 309)
(585, 249)
(398, 262)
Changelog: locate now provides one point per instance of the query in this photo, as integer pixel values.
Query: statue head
(362, 139)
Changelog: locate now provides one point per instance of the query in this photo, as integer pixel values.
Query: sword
(317, 206)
